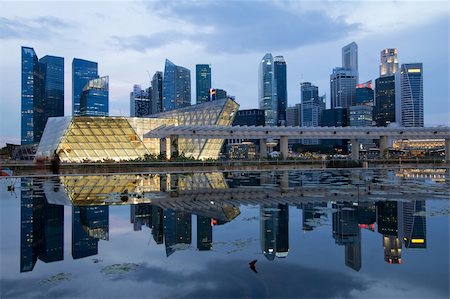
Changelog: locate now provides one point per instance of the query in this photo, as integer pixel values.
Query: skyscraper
(343, 87)
(203, 82)
(176, 86)
(140, 101)
(267, 90)
(384, 110)
(82, 72)
(311, 108)
(95, 98)
(410, 93)
(157, 93)
(364, 94)
(388, 62)
(350, 57)
(42, 93)
(280, 78)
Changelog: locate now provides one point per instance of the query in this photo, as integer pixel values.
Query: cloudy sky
(131, 39)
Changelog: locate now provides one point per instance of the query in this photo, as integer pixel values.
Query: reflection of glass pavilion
(78, 139)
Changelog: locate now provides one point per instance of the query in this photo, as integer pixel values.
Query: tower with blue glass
(94, 99)
(176, 86)
(279, 73)
(82, 72)
(202, 82)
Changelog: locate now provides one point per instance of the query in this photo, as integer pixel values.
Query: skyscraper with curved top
(82, 72)
(411, 95)
(176, 86)
(267, 90)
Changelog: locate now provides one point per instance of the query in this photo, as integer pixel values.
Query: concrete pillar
(284, 149)
(355, 149)
(262, 149)
(383, 145)
(447, 150)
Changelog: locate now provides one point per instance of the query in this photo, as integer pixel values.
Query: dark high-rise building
(337, 117)
(387, 218)
(343, 87)
(177, 230)
(95, 98)
(311, 216)
(280, 78)
(42, 93)
(89, 225)
(176, 87)
(203, 82)
(282, 237)
(140, 101)
(158, 225)
(274, 231)
(410, 93)
(141, 214)
(250, 117)
(365, 94)
(157, 92)
(311, 108)
(413, 224)
(267, 91)
(293, 116)
(204, 233)
(217, 94)
(384, 110)
(82, 72)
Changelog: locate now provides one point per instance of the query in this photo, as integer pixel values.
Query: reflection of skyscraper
(141, 214)
(413, 227)
(311, 216)
(177, 230)
(347, 232)
(387, 220)
(89, 224)
(158, 224)
(266, 92)
(204, 233)
(274, 223)
(392, 249)
(42, 228)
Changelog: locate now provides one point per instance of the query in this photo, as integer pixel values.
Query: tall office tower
(280, 78)
(364, 94)
(267, 90)
(176, 87)
(343, 87)
(311, 108)
(140, 102)
(388, 62)
(409, 95)
(82, 72)
(204, 233)
(350, 57)
(203, 82)
(95, 98)
(157, 92)
(141, 214)
(42, 93)
(384, 110)
(293, 116)
(337, 117)
(30, 93)
(177, 230)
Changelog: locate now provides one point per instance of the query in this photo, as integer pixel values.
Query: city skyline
(311, 53)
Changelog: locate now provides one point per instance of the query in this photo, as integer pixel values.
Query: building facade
(95, 98)
(157, 92)
(411, 95)
(82, 72)
(388, 62)
(81, 139)
(266, 90)
(311, 108)
(293, 116)
(176, 87)
(343, 87)
(202, 82)
(384, 110)
(350, 58)
(140, 101)
(280, 79)
(365, 94)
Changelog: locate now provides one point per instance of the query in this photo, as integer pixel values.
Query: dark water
(313, 234)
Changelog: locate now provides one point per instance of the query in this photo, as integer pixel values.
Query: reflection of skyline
(170, 219)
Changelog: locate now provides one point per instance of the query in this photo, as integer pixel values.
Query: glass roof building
(85, 138)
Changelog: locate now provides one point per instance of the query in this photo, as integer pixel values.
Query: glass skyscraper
(384, 111)
(343, 87)
(82, 72)
(157, 92)
(411, 95)
(95, 98)
(350, 58)
(203, 82)
(267, 96)
(279, 71)
(140, 101)
(176, 87)
(311, 108)
(42, 93)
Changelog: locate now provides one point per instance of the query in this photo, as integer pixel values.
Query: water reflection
(166, 204)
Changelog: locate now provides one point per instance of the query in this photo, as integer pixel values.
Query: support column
(163, 147)
(383, 145)
(355, 149)
(284, 149)
(171, 147)
(447, 150)
(262, 149)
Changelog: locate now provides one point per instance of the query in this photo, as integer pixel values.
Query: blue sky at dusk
(131, 39)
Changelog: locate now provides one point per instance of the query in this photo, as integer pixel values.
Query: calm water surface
(296, 234)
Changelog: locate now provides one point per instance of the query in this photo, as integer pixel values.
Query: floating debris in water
(250, 218)
(56, 278)
(119, 268)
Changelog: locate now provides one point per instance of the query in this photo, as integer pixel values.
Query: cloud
(233, 279)
(240, 27)
(32, 29)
